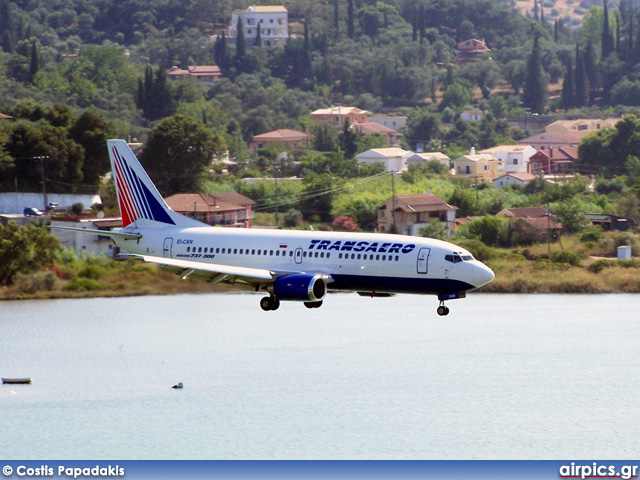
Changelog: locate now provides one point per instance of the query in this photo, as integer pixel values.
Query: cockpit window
(455, 258)
(458, 257)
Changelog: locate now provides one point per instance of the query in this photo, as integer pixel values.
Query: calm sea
(503, 376)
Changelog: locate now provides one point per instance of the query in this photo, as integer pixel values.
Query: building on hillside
(470, 51)
(227, 209)
(393, 159)
(273, 22)
(471, 115)
(421, 159)
(479, 167)
(553, 161)
(284, 137)
(515, 157)
(547, 141)
(581, 125)
(521, 179)
(89, 244)
(537, 218)
(396, 123)
(610, 222)
(389, 135)
(203, 74)
(338, 115)
(413, 212)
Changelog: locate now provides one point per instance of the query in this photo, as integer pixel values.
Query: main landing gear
(442, 310)
(317, 304)
(269, 303)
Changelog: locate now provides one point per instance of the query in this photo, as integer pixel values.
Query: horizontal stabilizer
(106, 233)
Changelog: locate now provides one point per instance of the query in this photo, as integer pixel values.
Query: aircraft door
(298, 255)
(423, 260)
(166, 250)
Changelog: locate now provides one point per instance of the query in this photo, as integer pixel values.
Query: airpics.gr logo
(362, 246)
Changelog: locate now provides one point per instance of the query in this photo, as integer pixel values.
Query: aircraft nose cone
(483, 275)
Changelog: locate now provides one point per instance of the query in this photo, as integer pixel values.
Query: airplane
(290, 265)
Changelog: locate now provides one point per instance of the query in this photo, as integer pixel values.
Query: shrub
(591, 234)
(81, 284)
(599, 265)
(344, 223)
(35, 282)
(566, 257)
(628, 239)
(292, 218)
(77, 208)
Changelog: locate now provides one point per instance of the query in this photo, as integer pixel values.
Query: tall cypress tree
(220, 51)
(591, 70)
(414, 24)
(535, 88)
(241, 43)
(421, 23)
(607, 37)
(259, 36)
(618, 43)
(350, 20)
(336, 17)
(568, 97)
(35, 64)
(581, 90)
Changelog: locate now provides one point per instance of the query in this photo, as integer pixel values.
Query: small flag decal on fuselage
(283, 245)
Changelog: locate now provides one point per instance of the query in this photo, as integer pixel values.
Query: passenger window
(358, 256)
(259, 252)
(304, 254)
(253, 252)
(218, 250)
(240, 251)
(339, 255)
(328, 255)
(291, 253)
(377, 257)
(353, 255)
(271, 252)
(277, 253)
(397, 258)
(188, 249)
(200, 250)
(223, 250)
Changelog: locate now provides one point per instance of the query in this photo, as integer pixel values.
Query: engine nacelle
(300, 287)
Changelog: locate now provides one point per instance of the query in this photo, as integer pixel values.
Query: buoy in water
(179, 385)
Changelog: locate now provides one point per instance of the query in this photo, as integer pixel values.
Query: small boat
(25, 381)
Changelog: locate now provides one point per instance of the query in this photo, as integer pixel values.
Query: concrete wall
(16, 202)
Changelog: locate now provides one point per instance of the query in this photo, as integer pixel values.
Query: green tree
(348, 140)
(91, 130)
(318, 195)
(456, 96)
(535, 88)
(570, 214)
(435, 229)
(568, 97)
(177, 153)
(241, 45)
(35, 63)
(25, 249)
(423, 126)
(324, 137)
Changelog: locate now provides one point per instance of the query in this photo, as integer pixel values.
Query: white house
(513, 179)
(273, 22)
(394, 159)
(421, 159)
(471, 115)
(396, 123)
(515, 157)
(87, 243)
(16, 202)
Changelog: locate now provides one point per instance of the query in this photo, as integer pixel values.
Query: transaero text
(375, 247)
(70, 472)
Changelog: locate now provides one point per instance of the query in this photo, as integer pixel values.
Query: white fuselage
(355, 261)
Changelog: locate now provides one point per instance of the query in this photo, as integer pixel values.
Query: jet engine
(300, 287)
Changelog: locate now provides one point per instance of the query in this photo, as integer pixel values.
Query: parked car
(32, 212)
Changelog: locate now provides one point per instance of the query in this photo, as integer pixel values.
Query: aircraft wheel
(313, 304)
(265, 303)
(442, 310)
(275, 303)
(446, 310)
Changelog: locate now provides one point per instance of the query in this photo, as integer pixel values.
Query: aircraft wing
(210, 272)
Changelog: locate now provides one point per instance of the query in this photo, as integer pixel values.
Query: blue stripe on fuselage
(398, 284)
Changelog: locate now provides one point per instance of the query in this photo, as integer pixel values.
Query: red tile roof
(200, 203)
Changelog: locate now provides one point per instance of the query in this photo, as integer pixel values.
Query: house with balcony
(203, 74)
(389, 135)
(515, 157)
(271, 20)
(412, 212)
(338, 115)
(479, 167)
(226, 209)
(471, 51)
(286, 138)
(553, 161)
(581, 125)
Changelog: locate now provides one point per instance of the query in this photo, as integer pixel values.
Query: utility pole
(393, 197)
(44, 183)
